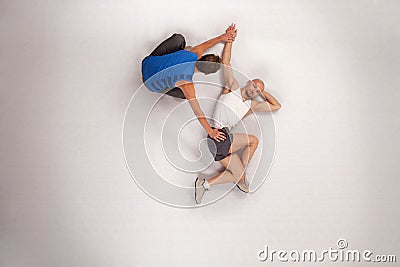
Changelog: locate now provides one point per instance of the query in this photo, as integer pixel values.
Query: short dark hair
(209, 63)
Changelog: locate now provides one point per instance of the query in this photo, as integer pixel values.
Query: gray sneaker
(243, 186)
(199, 189)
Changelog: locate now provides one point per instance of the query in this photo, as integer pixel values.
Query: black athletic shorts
(176, 92)
(220, 150)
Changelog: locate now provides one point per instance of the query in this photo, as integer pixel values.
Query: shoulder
(230, 91)
(231, 88)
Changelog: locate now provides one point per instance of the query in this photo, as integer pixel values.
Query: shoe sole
(241, 189)
(195, 190)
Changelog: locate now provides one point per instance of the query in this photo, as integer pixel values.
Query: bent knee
(253, 140)
(178, 37)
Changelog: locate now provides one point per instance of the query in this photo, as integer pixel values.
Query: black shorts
(220, 150)
(176, 92)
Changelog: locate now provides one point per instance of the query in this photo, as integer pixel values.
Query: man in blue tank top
(169, 70)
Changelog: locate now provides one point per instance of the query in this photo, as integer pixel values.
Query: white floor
(69, 69)
(166, 148)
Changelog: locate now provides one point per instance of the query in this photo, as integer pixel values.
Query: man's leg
(172, 44)
(248, 142)
(234, 170)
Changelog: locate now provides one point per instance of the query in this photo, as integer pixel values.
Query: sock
(206, 185)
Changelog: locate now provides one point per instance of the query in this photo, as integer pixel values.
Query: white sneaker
(243, 186)
(199, 189)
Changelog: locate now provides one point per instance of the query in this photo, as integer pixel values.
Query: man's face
(253, 88)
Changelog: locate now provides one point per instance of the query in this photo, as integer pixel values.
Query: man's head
(254, 88)
(209, 63)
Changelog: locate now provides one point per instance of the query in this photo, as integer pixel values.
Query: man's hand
(232, 32)
(217, 135)
(227, 37)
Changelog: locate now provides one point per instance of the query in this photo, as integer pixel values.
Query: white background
(69, 68)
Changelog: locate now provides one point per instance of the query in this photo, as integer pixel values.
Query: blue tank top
(162, 72)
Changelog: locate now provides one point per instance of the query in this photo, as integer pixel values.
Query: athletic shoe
(243, 186)
(199, 189)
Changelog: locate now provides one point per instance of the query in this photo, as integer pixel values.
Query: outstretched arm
(189, 92)
(226, 54)
(201, 48)
(230, 83)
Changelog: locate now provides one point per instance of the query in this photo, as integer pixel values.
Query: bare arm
(189, 92)
(270, 104)
(230, 83)
(201, 48)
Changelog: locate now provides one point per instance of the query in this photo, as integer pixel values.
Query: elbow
(277, 106)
